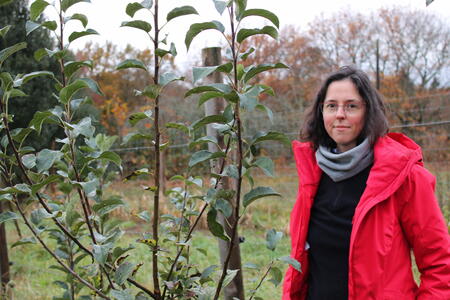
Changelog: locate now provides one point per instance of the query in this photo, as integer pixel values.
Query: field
(33, 278)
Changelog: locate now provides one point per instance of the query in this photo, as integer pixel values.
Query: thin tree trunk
(212, 57)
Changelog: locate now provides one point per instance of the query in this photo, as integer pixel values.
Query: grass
(33, 278)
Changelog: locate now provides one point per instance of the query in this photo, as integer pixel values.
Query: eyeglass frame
(360, 104)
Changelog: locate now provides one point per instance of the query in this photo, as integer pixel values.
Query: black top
(329, 235)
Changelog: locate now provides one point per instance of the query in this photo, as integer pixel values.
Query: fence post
(212, 57)
(4, 260)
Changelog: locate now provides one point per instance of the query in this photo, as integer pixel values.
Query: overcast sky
(105, 16)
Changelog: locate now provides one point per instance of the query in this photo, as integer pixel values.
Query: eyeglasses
(349, 108)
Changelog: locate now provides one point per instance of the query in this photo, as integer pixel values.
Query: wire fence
(428, 125)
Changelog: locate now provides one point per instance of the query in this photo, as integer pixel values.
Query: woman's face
(343, 113)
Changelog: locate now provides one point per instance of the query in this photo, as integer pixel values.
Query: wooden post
(212, 57)
(378, 65)
(4, 260)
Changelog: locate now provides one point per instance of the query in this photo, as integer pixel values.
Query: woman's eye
(330, 105)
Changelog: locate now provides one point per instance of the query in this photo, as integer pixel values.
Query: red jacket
(397, 212)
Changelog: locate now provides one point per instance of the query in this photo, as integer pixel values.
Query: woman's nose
(340, 113)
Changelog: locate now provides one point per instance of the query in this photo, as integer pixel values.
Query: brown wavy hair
(375, 124)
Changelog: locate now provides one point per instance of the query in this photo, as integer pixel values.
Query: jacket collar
(394, 155)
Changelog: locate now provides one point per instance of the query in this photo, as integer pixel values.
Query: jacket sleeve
(427, 233)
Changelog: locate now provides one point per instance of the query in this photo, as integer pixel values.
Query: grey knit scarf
(340, 166)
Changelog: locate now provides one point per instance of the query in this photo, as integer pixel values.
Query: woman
(364, 202)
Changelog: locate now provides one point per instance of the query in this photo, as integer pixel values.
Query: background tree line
(410, 48)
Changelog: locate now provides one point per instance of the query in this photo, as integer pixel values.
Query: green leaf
(132, 8)
(214, 87)
(122, 294)
(65, 4)
(249, 99)
(161, 52)
(231, 171)
(271, 136)
(261, 13)
(51, 25)
(202, 140)
(31, 26)
(107, 206)
(266, 109)
(204, 155)
(277, 276)
(178, 126)
(244, 55)
(139, 24)
(36, 9)
(199, 156)
(40, 54)
(272, 239)
(224, 206)
(142, 296)
(134, 136)
(167, 78)
(20, 188)
(29, 161)
(4, 30)
(71, 67)
(100, 252)
(208, 96)
(294, 263)
(197, 28)
(24, 241)
(220, 6)
(83, 127)
(131, 63)
(80, 17)
(77, 34)
(7, 52)
(151, 91)
(144, 216)
(181, 11)
(229, 277)
(20, 134)
(246, 32)
(207, 273)
(208, 120)
(40, 214)
(89, 187)
(27, 77)
(123, 272)
(36, 187)
(262, 68)
(112, 157)
(46, 158)
(39, 118)
(215, 227)
(8, 216)
(240, 7)
(104, 142)
(201, 72)
(139, 116)
(66, 93)
(259, 192)
(265, 164)
(16, 93)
